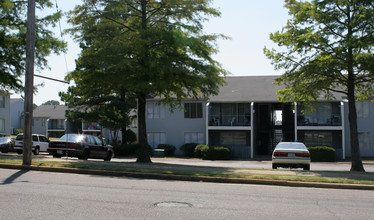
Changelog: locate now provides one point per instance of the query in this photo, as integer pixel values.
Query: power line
(62, 81)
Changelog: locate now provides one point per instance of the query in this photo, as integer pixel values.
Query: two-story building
(247, 117)
(5, 113)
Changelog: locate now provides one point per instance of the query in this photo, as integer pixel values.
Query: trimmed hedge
(188, 149)
(322, 154)
(216, 153)
(128, 149)
(198, 150)
(169, 149)
(129, 137)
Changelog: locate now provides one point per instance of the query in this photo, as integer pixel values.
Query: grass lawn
(159, 168)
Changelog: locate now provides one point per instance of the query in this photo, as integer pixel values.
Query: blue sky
(247, 22)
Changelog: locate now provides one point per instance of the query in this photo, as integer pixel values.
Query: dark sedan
(6, 144)
(82, 146)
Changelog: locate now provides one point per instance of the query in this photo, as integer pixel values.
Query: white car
(291, 154)
(39, 143)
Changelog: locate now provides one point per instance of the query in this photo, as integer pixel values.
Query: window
(193, 110)
(364, 141)
(155, 111)
(194, 137)
(363, 109)
(2, 101)
(2, 124)
(156, 138)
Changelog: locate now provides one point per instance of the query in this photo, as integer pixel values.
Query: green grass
(157, 168)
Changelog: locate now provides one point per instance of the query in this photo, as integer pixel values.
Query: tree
(13, 16)
(51, 102)
(147, 47)
(328, 50)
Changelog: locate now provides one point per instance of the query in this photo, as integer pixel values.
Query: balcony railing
(333, 120)
(229, 120)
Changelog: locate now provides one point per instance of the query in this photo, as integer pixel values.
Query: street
(44, 195)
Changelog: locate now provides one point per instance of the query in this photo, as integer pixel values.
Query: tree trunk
(352, 115)
(143, 153)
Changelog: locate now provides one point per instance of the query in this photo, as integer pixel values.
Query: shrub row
(322, 154)
(169, 149)
(206, 152)
(128, 149)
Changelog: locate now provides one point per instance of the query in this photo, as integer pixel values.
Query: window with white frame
(2, 101)
(156, 138)
(363, 109)
(194, 137)
(2, 124)
(155, 111)
(364, 141)
(193, 110)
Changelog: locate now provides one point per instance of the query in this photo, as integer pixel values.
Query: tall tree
(148, 47)
(329, 46)
(13, 17)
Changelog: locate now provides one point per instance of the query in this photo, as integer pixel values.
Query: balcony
(56, 124)
(229, 114)
(325, 114)
(91, 126)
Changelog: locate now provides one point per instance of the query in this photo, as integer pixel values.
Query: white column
(252, 122)
(295, 115)
(207, 123)
(343, 127)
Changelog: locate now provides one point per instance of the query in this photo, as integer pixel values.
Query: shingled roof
(50, 111)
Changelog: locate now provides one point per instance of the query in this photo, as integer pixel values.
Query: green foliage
(198, 150)
(146, 47)
(129, 137)
(51, 102)
(188, 149)
(216, 153)
(13, 16)
(18, 131)
(322, 154)
(129, 149)
(169, 149)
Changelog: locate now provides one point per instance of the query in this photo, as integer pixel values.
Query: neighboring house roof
(50, 111)
(251, 89)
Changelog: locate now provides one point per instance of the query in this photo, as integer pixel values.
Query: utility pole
(29, 83)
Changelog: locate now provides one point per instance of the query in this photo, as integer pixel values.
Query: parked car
(291, 154)
(82, 146)
(6, 144)
(39, 143)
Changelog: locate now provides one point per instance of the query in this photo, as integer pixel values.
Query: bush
(322, 154)
(129, 137)
(18, 131)
(169, 149)
(198, 150)
(188, 149)
(216, 153)
(128, 149)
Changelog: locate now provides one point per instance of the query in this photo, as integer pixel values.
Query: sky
(248, 23)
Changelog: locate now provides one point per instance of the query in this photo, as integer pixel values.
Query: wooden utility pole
(29, 83)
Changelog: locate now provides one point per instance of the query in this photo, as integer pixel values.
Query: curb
(190, 178)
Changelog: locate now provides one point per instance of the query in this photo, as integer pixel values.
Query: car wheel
(108, 156)
(19, 151)
(307, 167)
(36, 151)
(85, 155)
(275, 166)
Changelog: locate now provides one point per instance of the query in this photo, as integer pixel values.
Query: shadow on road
(13, 177)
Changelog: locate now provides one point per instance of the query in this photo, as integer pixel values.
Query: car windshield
(298, 146)
(3, 139)
(72, 137)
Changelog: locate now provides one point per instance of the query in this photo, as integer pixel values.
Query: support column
(252, 122)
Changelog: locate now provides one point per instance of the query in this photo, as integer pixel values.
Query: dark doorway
(273, 122)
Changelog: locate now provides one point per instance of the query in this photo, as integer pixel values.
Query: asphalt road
(42, 195)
